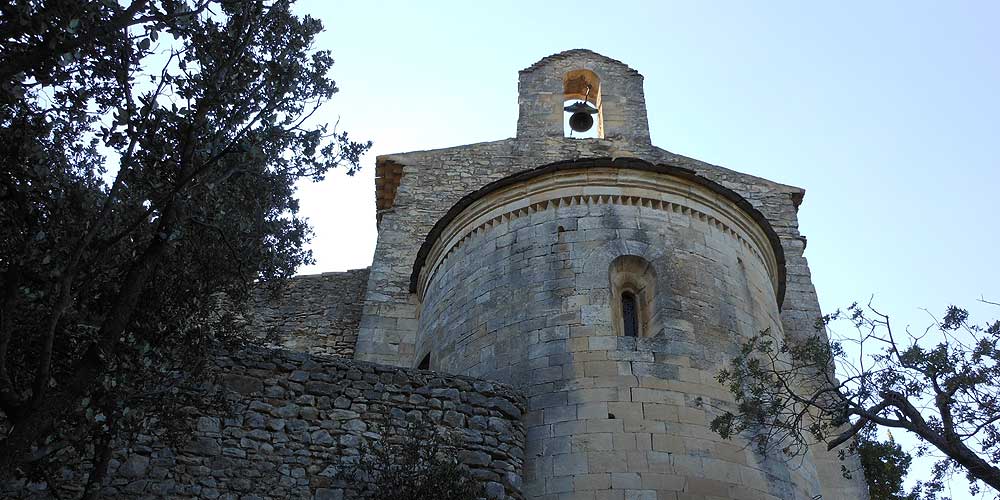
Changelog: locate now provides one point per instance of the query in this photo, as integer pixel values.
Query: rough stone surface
(620, 100)
(317, 313)
(528, 300)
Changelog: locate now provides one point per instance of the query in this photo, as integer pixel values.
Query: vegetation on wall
(418, 462)
(149, 155)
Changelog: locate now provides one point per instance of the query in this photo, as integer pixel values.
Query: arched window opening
(425, 364)
(633, 287)
(630, 318)
(582, 117)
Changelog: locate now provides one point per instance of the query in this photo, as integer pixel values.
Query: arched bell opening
(582, 117)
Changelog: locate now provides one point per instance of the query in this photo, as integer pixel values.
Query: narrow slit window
(630, 316)
(633, 297)
(425, 364)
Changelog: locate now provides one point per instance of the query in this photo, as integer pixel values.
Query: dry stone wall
(292, 420)
(316, 313)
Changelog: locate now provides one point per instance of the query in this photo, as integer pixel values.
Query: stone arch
(576, 83)
(627, 265)
(598, 259)
(584, 85)
(634, 311)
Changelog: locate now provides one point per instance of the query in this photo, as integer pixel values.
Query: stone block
(209, 424)
(625, 410)
(241, 383)
(663, 482)
(328, 494)
(592, 410)
(569, 464)
(626, 480)
(135, 466)
(707, 487)
(592, 395)
(640, 495)
(607, 461)
(592, 442)
(203, 446)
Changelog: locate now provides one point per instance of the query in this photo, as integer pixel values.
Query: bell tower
(615, 90)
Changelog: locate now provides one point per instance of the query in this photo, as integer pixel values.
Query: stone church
(605, 279)
(562, 300)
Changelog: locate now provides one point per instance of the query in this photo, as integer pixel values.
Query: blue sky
(886, 113)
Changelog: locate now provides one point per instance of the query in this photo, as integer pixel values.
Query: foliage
(885, 466)
(149, 158)
(417, 463)
(942, 386)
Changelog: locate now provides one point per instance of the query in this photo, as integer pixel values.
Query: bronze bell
(581, 120)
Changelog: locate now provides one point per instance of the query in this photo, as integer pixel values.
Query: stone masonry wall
(621, 101)
(293, 419)
(433, 181)
(317, 313)
(527, 301)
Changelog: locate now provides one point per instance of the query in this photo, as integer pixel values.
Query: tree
(942, 386)
(149, 158)
(885, 465)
